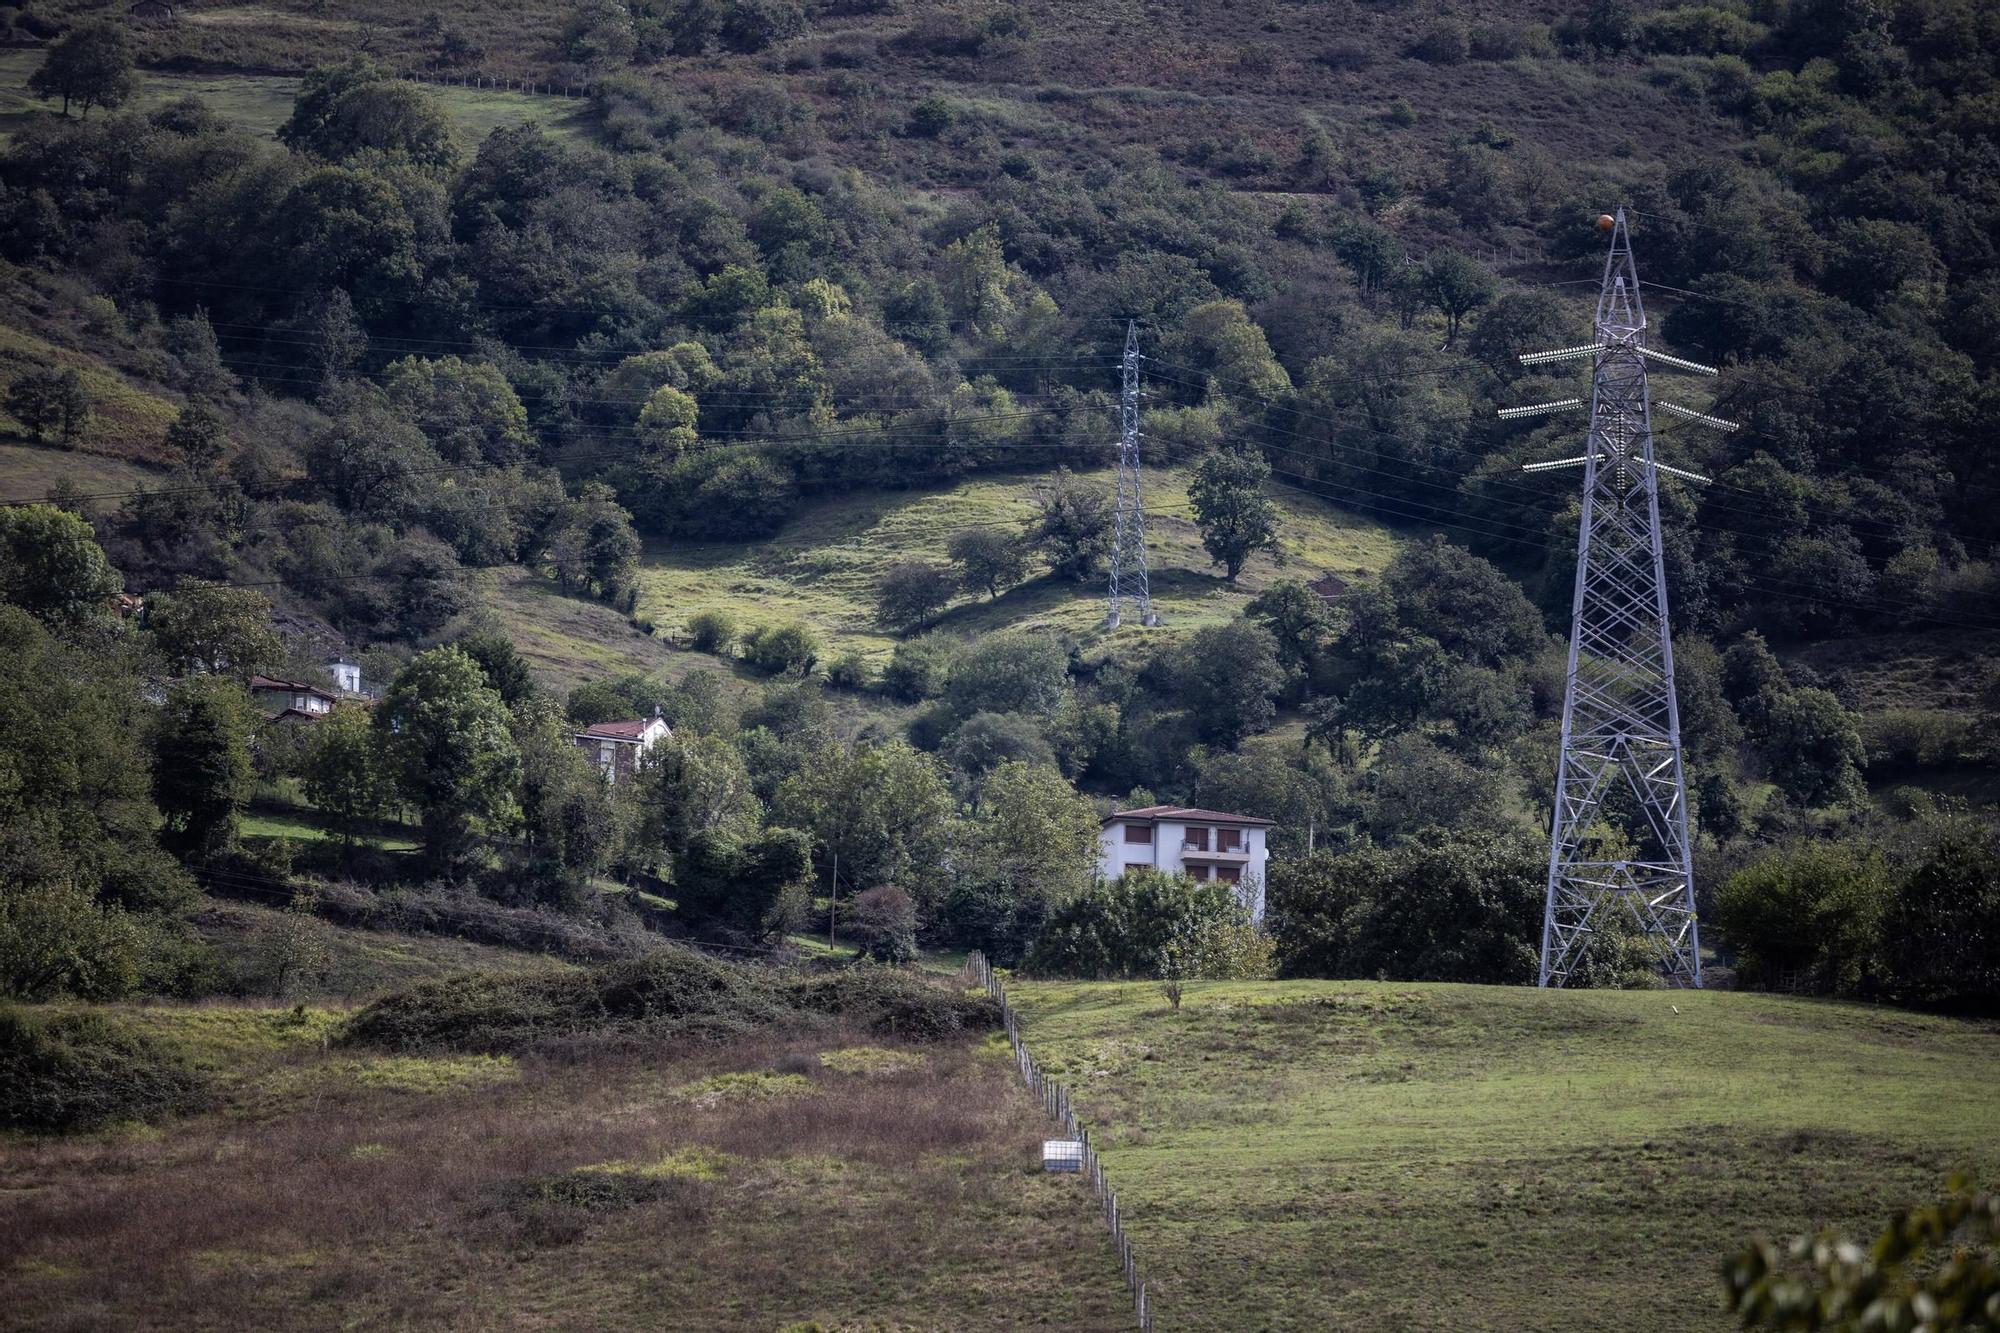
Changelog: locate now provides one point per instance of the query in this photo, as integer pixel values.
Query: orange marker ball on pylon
(1605, 222)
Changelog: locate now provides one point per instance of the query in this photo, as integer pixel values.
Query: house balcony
(1235, 856)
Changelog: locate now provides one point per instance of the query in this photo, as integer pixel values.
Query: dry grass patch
(578, 1183)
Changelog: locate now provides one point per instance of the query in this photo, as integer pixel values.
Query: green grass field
(822, 569)
(1321, 1155)
(261, 103)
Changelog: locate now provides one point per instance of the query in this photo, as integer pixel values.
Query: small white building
(620, 747)
(1179, 840)
(346, 675)
(292, 700)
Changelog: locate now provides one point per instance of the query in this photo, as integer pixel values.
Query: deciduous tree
(445, 733)
(91, 65)
(1236, 518)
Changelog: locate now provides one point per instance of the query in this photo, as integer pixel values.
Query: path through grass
(1315, 1155)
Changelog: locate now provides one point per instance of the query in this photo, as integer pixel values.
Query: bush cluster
(672, 994)
(77, 1071)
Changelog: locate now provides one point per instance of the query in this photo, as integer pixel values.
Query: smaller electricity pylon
(1619, 840)
(1128, 530)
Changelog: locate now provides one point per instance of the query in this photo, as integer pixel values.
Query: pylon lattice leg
(1619, 847)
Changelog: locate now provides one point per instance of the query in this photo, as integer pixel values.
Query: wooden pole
(832, 898)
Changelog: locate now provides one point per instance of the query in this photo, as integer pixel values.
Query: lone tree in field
(912, 591)
(90, 65)
(989, 558)
(1074, 529)
(1235, 518)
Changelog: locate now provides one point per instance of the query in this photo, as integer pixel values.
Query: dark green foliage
(672, 994)
(201, 763)
(52, 567)
(1852, 918)
(90, 65)
(1009, 673)
(896, 1002)
(1074, 530)
(75, 804)
(1941, 934)
(989, 558)
(919, 668)
(1236, 518)
(50, 402)
(1227, 677)
(66, 1072)
(911, 592)
(711, 631)
(1815, 752)
(782, 649)
(1115, 929)
(1464, 908)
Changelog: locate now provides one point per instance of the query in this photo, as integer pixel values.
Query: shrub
(1118, 928)
(776, 649)
(894, 1002)
(1465, 908)
(888, 919)
(849, 671)
(1808, 918)
(672, 994)
(57, 940)
(711, 631)
(1443, 43)
(932, 117)
(74, 1071)
(919, 668)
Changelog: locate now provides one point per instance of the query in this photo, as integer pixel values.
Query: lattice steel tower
(1128, 531)
(1619, 841)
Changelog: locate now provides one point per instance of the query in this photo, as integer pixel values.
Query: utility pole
(1128, 540)
(1619, 839)
(832, 897)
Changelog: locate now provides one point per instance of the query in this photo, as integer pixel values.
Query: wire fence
(1055, 1099)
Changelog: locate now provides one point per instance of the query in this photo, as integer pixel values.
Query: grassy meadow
(823, 568)
(1317, 1155)
(261, 102)
(827, 1180)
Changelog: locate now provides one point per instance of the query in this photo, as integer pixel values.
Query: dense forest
(751, 270)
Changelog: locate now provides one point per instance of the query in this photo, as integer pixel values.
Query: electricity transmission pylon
(1619, 841)
(1128, 530)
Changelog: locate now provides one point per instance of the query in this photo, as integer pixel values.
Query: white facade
(346, 676)
(1201, 844)
(620, 747)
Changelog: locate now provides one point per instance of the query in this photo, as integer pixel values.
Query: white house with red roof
(620, 747)
(1182, 840)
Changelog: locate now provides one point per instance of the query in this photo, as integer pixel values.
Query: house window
(1139, 833)
(607, 755)
(1229, 874)
(1197, 839)
(1229, 840)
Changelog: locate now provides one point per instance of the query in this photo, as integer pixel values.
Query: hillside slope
(823, 567)
(1314, 1155)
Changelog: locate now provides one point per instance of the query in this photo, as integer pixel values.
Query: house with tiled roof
(620, 747)
(291, 700)
(1183, 840)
